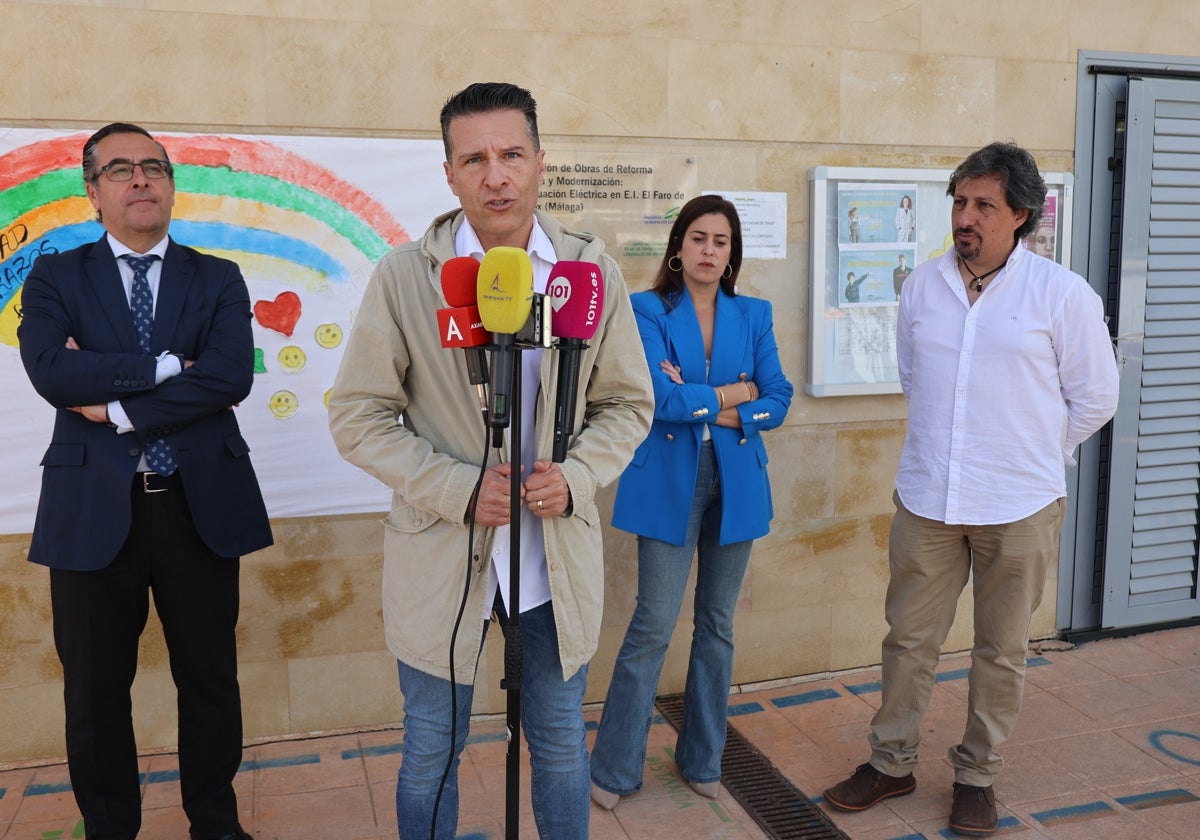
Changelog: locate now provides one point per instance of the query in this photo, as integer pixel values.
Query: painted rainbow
(277, 214)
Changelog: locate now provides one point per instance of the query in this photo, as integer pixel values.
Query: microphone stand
(514, 647)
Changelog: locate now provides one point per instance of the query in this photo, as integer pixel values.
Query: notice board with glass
(870, 227)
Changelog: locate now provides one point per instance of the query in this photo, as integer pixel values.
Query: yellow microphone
(504, 296)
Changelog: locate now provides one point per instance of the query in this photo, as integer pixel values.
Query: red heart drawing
(281, 314)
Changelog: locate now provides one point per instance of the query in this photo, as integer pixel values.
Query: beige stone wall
(760, 91)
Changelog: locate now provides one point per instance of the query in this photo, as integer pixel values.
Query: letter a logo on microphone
(453, 334)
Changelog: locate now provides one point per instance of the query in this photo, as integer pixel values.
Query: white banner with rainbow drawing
(306, 218)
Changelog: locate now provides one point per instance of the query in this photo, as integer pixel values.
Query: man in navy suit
(143, 346)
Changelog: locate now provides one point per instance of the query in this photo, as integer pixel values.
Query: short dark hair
(91, 172)
(482, 97)
(1024, 188)
(668, 282)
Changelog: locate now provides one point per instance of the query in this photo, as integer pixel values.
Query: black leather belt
(152, 482)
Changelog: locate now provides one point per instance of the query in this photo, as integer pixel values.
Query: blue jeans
(552, 721)
(619, 754)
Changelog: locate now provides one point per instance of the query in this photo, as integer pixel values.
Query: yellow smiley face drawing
(328, 391)
(292, 359)
(283, 404)
(328, 335)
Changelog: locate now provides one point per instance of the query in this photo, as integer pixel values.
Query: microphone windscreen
(505, 289)
(576, 291)
(460, 277)
(461, 326)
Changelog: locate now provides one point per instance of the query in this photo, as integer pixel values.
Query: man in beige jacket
(402, 408)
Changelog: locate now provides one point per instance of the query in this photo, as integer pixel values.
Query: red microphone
(460, 325)
(576, 292)
(460, 280)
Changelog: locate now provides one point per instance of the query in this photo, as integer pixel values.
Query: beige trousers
(930, 564)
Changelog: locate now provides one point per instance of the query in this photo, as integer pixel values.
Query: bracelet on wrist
(720, 399)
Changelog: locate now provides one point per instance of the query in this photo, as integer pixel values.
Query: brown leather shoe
(974, 810)
(866, 787)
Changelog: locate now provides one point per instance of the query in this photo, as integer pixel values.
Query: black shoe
(866, 787)
(974, 810)
(235, 835)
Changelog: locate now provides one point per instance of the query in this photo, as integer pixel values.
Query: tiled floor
(1108, 748)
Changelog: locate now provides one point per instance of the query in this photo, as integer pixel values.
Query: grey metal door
(1150, 564)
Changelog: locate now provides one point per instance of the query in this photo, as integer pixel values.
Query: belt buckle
(146, 488)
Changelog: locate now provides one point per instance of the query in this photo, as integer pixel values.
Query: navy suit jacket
(654, 496)
(202, 312)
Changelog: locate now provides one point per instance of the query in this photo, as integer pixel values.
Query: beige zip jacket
(395, 367)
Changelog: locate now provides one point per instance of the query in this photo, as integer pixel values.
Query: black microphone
(576, 292)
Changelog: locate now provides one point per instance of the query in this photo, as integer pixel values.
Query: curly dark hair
(1024, 188)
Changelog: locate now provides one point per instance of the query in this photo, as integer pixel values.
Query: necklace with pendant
(975, 284)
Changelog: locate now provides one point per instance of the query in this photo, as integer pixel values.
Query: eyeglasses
(122, 170)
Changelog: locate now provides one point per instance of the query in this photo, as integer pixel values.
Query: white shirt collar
(466, 243)
(119, 248)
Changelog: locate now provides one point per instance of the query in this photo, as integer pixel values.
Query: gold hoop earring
(675, 267)
(728, 272)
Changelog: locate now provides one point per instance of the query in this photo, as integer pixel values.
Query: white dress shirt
(999, 393)
(535, 580)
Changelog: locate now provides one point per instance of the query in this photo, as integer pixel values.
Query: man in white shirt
(1007, 366)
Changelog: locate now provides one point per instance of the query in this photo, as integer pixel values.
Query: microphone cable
(454, 635)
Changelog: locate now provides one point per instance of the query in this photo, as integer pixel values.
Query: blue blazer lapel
(177, 272)
(730, 340)
(686, 342)
(104, 280)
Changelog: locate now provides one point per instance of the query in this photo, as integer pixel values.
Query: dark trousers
(98, 618)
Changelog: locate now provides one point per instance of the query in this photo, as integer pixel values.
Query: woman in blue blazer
(718, 384)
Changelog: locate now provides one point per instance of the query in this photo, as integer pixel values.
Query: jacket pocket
(64, 455)
(761, 454)
(589, 513)
(237, 446)
(640, 455)
(409, 520)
